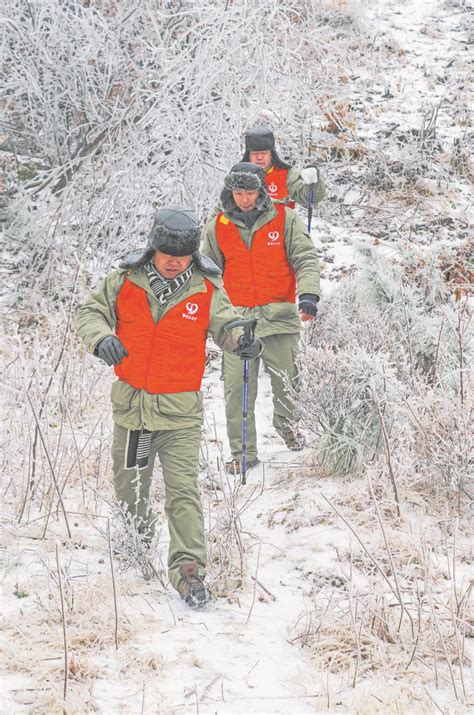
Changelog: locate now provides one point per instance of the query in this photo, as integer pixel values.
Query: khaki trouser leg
(232, 373)
(132, 486)
(178, 451)
(279, 356)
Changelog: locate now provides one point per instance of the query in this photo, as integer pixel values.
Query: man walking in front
(150, 319)
(265, 253)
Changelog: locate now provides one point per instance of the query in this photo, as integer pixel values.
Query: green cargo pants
(178, 452)
(279, 356)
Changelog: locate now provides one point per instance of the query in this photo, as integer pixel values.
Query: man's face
(262, 158)
(245, 200)
(171, 266)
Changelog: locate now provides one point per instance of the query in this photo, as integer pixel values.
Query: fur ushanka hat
(175, 231)
(262, 139)
(245, 176)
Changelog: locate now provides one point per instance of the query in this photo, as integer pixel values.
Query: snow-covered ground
(255, 649)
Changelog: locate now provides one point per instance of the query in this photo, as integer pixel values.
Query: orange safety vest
(167, 356)
(261, 274)
(275, 181)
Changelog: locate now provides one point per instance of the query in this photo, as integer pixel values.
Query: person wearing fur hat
(284, 184)
(266, 254)
(150, 319)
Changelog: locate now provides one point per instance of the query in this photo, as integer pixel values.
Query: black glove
(111, 350)
(308, 303)
(248, 350)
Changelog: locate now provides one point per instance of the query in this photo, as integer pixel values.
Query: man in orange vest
(266, 254)
(150, 319)
(284, 184)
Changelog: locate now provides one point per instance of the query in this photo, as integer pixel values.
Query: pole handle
(248, 324)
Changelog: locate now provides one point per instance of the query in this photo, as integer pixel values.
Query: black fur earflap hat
(262, 139)
(175, 231)
(259, 139)
(245, 176)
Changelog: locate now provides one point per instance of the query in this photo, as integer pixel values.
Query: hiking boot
(294, 440)
(192, 588)
(234, 466)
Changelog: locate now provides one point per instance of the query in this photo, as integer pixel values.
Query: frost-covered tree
(116, 109)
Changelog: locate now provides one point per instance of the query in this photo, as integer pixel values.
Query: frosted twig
(387, 450)
(113, 584)
(55, 481)
(63, 615)
(390, 558)
(269, 593)
(255, 584)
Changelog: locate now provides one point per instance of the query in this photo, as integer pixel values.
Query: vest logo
(192, 309)
(273, 188)
(274, 238)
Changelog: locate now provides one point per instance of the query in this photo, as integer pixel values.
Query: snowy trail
(241, 649)
(236, 657)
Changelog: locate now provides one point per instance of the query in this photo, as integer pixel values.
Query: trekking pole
(310, 207)
(249, 330)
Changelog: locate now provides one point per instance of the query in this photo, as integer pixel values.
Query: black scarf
(247, 217)
(165, 288)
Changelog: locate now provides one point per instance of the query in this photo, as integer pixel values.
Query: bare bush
(227, 547)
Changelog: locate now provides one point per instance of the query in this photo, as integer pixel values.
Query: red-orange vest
(262, 274)
(275, 181)
(167, 356)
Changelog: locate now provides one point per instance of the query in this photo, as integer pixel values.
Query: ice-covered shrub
(338, 405)
(387, 369)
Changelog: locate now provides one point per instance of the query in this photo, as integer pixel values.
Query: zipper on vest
(254, 285)
(147, 371)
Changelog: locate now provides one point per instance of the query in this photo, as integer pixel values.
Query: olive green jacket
(134, 408)
(299, 191)
(274, 318)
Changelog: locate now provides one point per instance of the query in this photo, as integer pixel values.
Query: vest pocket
(121, 394)
(279, 311)
(184, 404)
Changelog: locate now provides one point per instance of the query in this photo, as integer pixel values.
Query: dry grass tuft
(90, 629)
(403, 608)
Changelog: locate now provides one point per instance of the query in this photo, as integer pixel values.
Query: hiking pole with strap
(310, 207)
(248, 335)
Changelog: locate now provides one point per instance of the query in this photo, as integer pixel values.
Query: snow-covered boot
(191, 587)
(234, 466)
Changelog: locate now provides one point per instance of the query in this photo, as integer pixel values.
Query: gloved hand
(308, 304)
(309, 175)
(111, 350)
(248, 350)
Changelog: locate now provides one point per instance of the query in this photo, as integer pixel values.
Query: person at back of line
(284, 183)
